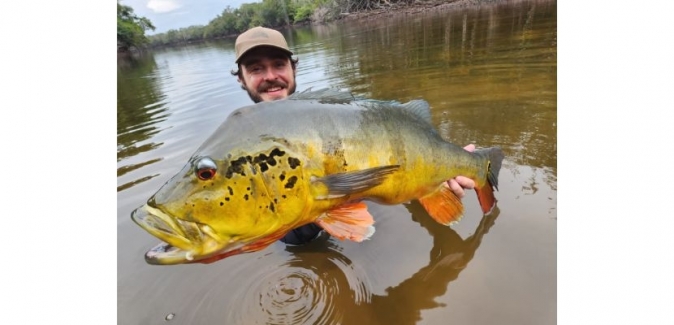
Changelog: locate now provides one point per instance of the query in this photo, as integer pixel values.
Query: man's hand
(458, 183)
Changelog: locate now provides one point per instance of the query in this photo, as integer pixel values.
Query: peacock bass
(312, 157)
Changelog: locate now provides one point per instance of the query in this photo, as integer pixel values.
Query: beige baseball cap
(259, 36)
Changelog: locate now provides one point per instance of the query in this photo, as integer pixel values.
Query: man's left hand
(459, 183)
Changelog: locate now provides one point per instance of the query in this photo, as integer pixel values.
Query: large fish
(312, 157)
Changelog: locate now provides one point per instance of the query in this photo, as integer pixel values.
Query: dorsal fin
(419, 107)
(324, 96)
(416, 107)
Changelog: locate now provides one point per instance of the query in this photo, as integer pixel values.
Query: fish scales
(312, 157)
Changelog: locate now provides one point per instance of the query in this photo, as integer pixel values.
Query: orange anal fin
(485, 195)
(348, 221)
(443, 205)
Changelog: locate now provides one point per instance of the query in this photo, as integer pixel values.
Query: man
(266, 70)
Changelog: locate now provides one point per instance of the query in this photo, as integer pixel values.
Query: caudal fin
(485, 194)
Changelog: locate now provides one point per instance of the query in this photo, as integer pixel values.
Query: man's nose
(269, 74)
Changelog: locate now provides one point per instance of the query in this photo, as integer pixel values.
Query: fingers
(465, 182)
(458, 183)
(456, 188)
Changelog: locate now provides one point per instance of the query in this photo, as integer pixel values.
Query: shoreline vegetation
(275, 14)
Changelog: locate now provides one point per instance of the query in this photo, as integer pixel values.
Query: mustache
(270, 84)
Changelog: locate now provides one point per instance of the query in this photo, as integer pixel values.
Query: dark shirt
(302, 235)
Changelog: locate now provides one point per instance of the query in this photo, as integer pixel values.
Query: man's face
(267, 74)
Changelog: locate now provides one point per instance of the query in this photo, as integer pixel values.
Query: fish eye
(205, 168)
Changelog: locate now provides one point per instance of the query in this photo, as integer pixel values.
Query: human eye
(255, 68)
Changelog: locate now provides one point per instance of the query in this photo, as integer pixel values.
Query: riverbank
(384, 10)
(415, 7)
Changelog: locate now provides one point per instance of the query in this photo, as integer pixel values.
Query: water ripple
(289, 295)
(303, 292)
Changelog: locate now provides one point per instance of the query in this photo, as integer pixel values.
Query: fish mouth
(184, 241)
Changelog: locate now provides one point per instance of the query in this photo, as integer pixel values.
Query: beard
(256, 97)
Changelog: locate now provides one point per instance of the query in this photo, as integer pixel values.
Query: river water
(490, 76)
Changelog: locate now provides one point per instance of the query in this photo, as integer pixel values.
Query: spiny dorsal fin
(341, 184)
(416, 107)
(419, 107)
(324, 96)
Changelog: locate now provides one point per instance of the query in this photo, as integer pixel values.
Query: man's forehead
(263, 52)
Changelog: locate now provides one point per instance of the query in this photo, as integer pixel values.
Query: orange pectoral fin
(485, 195)
(443, 205)
(348, 221)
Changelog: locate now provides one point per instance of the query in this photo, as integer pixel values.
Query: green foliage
(268, 13)
(304, 12)
(131, 28)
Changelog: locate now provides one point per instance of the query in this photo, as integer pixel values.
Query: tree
(131, 28)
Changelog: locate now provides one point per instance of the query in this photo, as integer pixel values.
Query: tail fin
(485, 194)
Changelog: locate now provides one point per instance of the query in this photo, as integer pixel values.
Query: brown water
(490, 76)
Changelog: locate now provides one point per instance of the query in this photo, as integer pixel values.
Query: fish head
(215, 208)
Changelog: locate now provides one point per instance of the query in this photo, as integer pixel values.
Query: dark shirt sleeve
(302, 235)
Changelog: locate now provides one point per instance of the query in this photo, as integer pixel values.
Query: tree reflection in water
(402, 304)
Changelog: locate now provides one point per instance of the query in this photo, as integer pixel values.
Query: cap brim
(262, 45)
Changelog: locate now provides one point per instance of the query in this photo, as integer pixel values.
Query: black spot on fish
(236, 167)
(293, 162)
(277, 152)
(282, 177)
(260, 158)
(222, 203)
(246, 197)
(271, 207)
(247, 188)
(231, 192)
(291, 182)
(275, 200)
(283, 196)
(265, 161)
(226, 199)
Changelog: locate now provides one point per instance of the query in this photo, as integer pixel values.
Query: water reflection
(140, 108)
(490, 72)
(319, 285)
